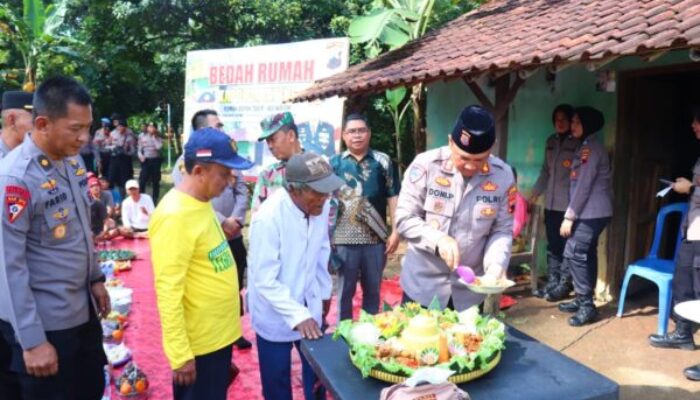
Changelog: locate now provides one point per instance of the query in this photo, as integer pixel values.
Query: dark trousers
(9, 383)
(581, 253)
(105, 159)
(555, 244)
(89, 161)
(686, 276)
(120, 171)
(275, 359)
(81, 362)
(150, 173)
(363, 262)
(240, 254)
(213, 377)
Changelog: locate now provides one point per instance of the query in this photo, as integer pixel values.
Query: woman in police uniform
(686, 275)
(589, 211)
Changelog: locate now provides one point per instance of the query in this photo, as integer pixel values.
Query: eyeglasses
(357, 131)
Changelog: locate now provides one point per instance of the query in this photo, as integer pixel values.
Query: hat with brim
(210, 145)
(314, 171)
(274, 123)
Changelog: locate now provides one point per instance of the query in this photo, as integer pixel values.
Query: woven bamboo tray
(459, 378)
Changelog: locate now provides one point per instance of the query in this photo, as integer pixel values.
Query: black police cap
(474, 130)
(16, 99)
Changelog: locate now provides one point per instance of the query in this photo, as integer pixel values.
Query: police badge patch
(16, 199)
(415, 174)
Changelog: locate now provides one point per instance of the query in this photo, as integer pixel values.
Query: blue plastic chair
(655, 269)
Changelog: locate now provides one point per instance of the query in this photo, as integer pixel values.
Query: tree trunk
(418, 100)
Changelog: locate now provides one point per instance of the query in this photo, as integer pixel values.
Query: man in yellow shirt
(195, 273)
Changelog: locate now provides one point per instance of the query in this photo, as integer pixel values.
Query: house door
(655, 142)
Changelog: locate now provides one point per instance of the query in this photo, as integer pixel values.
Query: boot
(552, 282)
(586, 313)
(569, 306)
(692, 373)
(560, 292)
(681, 338)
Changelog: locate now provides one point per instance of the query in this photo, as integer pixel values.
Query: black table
(528, 370)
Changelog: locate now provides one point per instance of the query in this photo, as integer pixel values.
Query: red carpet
(143, 336)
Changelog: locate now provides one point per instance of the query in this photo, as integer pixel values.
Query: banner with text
(245, 85)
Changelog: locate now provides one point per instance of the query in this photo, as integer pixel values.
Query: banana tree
(397, 108)
(389, 25)
(33, 34)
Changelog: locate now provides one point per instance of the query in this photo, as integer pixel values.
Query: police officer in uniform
(16, 122)
(455, 207)
(16, 119)
(554, 183)
(50, 282)
(588, 212)
(686, 275)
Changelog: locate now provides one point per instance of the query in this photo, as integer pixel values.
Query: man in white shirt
(289, 287)
(136, 212)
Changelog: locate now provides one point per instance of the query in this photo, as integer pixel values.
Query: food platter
(393, 345)
(495, 287)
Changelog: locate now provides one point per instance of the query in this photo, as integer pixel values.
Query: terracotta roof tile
(520, 34)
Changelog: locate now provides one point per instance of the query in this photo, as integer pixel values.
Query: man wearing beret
(455, 208)
(282, 137)
(16, 119)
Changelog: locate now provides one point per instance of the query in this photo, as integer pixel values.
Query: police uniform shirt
(49, 259)
(691, 226)
(554, 176)
(435, 201)
(149, 146)
(4, 150)
(590, 194)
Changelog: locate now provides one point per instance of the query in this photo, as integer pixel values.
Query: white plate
(689, 310)
(504, 284)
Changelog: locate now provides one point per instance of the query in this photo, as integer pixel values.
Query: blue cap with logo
(210, 145)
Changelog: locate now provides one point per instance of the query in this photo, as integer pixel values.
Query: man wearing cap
(16, 119)
(206, 118)
(195, 272)
(136, 211)
(51, 288)
(280, 133)
(455, 208)
(289, 287)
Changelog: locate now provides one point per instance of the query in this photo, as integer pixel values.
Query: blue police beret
(474, 131)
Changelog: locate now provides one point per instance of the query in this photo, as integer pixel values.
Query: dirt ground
(614, 347)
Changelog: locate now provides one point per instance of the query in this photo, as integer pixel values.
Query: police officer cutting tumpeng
(455, 207)
(49, 277)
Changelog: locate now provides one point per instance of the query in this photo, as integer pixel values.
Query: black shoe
(243, 344)
(692, 373)
(681, 338)
(586, 313)
(569, 306)
(560, 292)
(552, 282)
